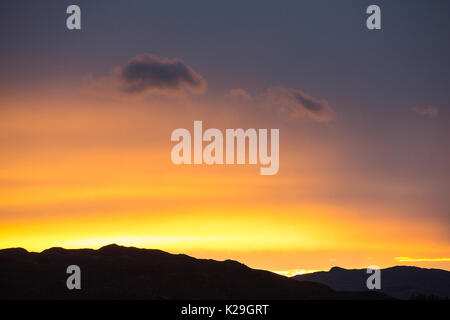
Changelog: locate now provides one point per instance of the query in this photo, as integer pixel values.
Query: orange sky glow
(88, 175)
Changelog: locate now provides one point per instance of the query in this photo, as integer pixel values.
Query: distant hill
(115, 272)
(398, 282)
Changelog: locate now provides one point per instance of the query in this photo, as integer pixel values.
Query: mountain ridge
(117, 272)
(400, 282)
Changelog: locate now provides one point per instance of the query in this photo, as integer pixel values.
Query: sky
(86, 118)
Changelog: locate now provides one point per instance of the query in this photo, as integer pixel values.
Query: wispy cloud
(408, 259)
(240, 93)
(297, 104)
(429, 111)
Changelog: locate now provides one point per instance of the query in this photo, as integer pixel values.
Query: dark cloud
(297, 104)
(147, 74)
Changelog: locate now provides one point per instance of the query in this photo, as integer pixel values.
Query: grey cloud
(147, 74)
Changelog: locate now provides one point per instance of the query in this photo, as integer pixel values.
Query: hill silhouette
(401, 282)
(116, 272)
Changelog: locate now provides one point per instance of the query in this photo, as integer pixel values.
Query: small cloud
(147, 74)
(408, 259)
(240, 93)
(430, 112)
(297, 104)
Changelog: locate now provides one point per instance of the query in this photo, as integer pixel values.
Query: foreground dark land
(115, 272)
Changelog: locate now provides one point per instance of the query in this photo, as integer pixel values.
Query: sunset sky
(364, 119)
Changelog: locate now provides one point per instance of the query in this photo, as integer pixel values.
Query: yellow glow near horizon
(225, 228)
(294, 272)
